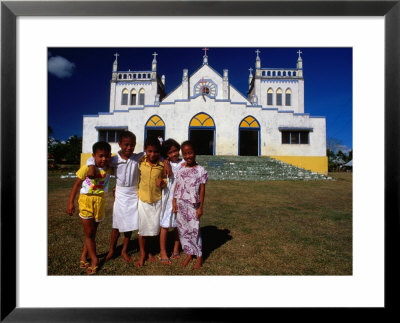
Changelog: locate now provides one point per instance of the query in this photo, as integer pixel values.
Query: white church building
(207, 109)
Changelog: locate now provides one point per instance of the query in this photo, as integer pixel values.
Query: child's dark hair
(187, 143)
(126, 134)
(101, 145)
(152, 141)
(168, 144)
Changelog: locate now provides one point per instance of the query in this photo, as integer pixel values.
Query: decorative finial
(251, 70)
(154, 54)
(257, 52)
(116, 56)
(205, 51)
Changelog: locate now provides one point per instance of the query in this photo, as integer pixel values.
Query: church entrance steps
(253, 168)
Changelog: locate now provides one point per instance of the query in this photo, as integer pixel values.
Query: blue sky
(79, 80)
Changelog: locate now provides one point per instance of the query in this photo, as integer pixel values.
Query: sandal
(83, 264)
(91, 270)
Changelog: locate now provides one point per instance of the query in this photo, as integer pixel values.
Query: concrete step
(253, 168)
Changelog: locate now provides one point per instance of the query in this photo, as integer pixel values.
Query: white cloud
(60, 66)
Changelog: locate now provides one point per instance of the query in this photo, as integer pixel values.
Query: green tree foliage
(66, 152)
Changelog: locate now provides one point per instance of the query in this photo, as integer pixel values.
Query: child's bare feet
(152, 258)
(109, 256)
(186, 261)
(140, 262)
(126, 257)
(199, 263)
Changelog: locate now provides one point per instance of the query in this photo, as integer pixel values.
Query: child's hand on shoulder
(91, 173)
(159, 182)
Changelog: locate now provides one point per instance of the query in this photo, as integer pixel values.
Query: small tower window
(141, 97)
(279, 97)
(133, 97)
(288, 97)
(124, 100)
(270, 94)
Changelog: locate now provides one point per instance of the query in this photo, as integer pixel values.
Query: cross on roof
(250, 69)
(154, 54)
(205, 51)
(116, 55)
(257, 52)
(299, 52)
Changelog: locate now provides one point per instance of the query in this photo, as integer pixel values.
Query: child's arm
(90, 163)
(202, 193)
(174, 206)
(167, 168)
(71, 201)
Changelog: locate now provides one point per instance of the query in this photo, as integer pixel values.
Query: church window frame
(109, 134)
(124, 96)
(203, 121)
(288, 97)
(270, 96)
(295, 136)
(133, 97)
(155, 122)
(279, 96)
(142, 94)
(250, 123)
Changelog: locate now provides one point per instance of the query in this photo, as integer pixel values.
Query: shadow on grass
(133, 247)
(213, 238)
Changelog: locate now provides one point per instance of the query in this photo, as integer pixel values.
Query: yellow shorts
(92, 207)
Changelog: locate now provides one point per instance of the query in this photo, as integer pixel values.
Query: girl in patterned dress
(188, 202)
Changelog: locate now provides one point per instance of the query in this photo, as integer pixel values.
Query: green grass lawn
(248, 228)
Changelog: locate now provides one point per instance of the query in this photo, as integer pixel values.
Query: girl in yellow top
(150, 192)
(91, 201)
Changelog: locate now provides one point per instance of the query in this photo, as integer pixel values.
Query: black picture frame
(10, 10)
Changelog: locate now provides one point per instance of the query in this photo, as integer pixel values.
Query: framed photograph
(371, 28)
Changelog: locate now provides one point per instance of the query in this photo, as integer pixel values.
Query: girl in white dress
(168, 219)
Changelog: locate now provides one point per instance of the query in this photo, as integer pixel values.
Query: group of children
(155, 191)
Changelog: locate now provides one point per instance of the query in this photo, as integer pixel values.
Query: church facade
(207, 109)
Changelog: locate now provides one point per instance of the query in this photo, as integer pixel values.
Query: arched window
(279, 97)
(141, 97)
(270, 94)
(124, 100)
(288, 97)
(133, 97)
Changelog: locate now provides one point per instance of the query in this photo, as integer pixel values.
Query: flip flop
(91, 270)
(165, 261)
(83, 264)
(175, 256)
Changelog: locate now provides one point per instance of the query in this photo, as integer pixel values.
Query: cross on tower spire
(154, 54)
(250, 69)
(116, 55)
(205, 51)
(257, 52)
(299, 52)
